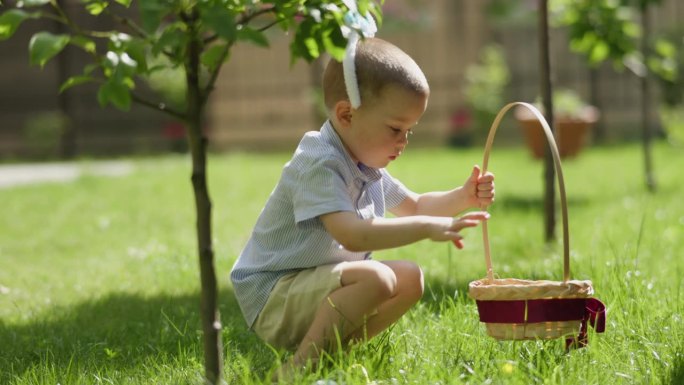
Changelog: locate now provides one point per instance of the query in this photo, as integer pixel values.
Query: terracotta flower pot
(571, 132)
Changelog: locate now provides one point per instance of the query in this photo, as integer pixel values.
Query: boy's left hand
(480, 188)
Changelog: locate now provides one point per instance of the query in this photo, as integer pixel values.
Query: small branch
(63, 18)
(245, 19)
(210, 39)
(248, 16)
(130, 24)
(54, 17)
(269, 25)
(214, 75)
(158, 107)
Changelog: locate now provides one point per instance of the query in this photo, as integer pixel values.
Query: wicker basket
(517, 309)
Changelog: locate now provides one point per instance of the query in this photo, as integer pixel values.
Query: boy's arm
(477, 191)
(357, 234)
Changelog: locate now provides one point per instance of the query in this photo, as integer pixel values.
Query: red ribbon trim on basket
(589, 310)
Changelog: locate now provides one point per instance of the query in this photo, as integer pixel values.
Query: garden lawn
(99, 277)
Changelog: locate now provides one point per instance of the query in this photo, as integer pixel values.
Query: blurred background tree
(621, 32)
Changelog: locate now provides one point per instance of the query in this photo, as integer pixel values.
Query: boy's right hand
(447, 229)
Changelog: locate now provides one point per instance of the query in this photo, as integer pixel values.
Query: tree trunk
(547, 99)
(211, 323)
(646, 103)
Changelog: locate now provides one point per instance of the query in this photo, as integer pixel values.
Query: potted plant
(573, 120)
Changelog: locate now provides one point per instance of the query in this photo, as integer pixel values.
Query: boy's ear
(343, 113)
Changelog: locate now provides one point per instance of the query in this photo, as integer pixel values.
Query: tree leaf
(116, 93)
(127, 66)
(31, 3)
(44, 45)
(137, 50)
(96, 7)
(221, 20)
(312, 47)
(172, 39)
(152, 12)
(376, 11)
(125, 3)
(102, 95)
(74, 81)
(86, 44)
(665, 48)
(211, 58)
(88, 69)
(304, 45)
(362, 6)
(10, 21)
(334, 43)
(599, 52)
(254, 36)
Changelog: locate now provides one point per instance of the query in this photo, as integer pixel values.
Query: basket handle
(561, 185)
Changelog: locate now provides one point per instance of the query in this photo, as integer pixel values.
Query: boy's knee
(413, 281)
(383, 280)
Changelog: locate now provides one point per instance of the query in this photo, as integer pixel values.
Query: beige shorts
(293, 302)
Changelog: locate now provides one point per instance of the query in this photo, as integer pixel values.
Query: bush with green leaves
(485, 84)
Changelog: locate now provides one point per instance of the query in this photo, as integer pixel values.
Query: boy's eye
(397, 131)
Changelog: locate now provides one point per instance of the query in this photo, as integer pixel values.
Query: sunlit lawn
(99, 277)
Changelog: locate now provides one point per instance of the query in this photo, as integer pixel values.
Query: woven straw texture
(509, 289)
(533, 331)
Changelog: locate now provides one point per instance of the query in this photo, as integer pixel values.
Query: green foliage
(485, 83)
(219, 19)
(673, 85)
(672, 118)
(10, 21)
(166, 28)
(169, 81)
(44, 45)
(602, 30)
(96, 7)
(608, 30)
(567, 103)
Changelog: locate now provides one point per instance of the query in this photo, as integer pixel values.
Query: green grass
(99, 277)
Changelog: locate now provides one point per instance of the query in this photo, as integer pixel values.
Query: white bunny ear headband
(354, 26)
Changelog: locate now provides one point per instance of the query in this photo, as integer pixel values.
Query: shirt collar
(360, 170)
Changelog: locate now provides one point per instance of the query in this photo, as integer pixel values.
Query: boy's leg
(391, 288)
(408, 291)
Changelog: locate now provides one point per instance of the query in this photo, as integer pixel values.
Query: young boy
(306, 275)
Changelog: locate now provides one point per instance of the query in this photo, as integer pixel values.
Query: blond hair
(378, 64)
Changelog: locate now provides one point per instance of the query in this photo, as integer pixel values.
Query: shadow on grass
(676, 373)
(119, 332)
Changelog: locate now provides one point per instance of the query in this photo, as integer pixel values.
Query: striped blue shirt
(289, 236)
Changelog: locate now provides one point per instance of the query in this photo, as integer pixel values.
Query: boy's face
(379, 131)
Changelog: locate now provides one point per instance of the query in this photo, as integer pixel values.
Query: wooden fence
(261, 102)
